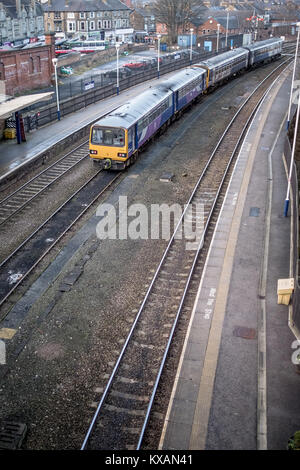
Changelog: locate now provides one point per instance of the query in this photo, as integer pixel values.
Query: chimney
(50, 39)
(18, 8)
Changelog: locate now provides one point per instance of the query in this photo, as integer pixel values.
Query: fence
(76, 94)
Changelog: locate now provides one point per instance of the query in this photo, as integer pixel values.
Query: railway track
(16, 267)
(123, 412)
(20, 198)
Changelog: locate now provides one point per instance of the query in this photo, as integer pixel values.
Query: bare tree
(174, 14)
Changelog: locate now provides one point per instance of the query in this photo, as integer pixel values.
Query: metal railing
(73, 96)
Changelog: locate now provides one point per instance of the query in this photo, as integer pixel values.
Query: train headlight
(122, 155)
(94, 152)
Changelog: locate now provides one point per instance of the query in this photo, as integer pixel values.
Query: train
(116, 139)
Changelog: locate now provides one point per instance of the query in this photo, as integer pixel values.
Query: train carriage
(264, 51)
(224, 65)
(115, 138)
(186, 85)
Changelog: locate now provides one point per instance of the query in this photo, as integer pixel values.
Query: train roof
(260, 44)
(129, 113)
(181, 78)
(222, 58)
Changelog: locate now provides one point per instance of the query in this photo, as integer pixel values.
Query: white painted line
(262, 426)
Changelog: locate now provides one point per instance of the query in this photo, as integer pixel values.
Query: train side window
(97, 136)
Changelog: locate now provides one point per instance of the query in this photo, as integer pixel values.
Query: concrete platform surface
(236, 387)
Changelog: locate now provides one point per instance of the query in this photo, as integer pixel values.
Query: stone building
(104, 19)
(20, 21)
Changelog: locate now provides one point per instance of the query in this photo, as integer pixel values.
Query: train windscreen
(108, 136)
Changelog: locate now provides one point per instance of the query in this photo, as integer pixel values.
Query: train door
(136, 137)
(176, 100)
(131, 140)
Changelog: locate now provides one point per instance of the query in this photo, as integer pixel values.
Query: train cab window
(113, 137)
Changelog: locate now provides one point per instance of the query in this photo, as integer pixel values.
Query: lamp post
(191, 51)
(54, 61)
(218, 32)
(117, 49)
(287, 199)
(158, 51)
(226, 29)
(293, 78)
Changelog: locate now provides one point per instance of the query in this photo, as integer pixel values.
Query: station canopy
(17, 104)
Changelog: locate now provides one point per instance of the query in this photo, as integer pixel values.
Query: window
(71, 26)
(99, 24)
(38, 64)
(31, 67)
(82, 25)
(81, 15)
(2, 71)
(111, 137)
(92, 25)
(92, 14)
(71, 15)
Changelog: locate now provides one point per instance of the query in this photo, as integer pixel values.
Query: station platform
(236, 387)
(14, 155)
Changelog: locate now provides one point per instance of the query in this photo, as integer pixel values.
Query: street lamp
(293, 78)
(287, 199)
(158, 51)
(191, 51)
(54, 61)
(117, 48)
(218, 32)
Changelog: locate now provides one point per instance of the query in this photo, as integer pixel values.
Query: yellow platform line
(204, 399)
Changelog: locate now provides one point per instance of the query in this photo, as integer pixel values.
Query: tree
(174, 14)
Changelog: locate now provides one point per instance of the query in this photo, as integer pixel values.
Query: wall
(26, 69)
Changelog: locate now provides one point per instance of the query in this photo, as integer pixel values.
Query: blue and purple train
(117, 138)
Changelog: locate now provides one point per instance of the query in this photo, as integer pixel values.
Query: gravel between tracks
(56, 379)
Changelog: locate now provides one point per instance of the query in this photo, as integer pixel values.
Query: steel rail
(116, 367)
(60, 236)
(42, 173)
(198, 252)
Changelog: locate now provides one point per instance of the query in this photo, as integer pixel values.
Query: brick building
(209, 25)
(27, 69)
